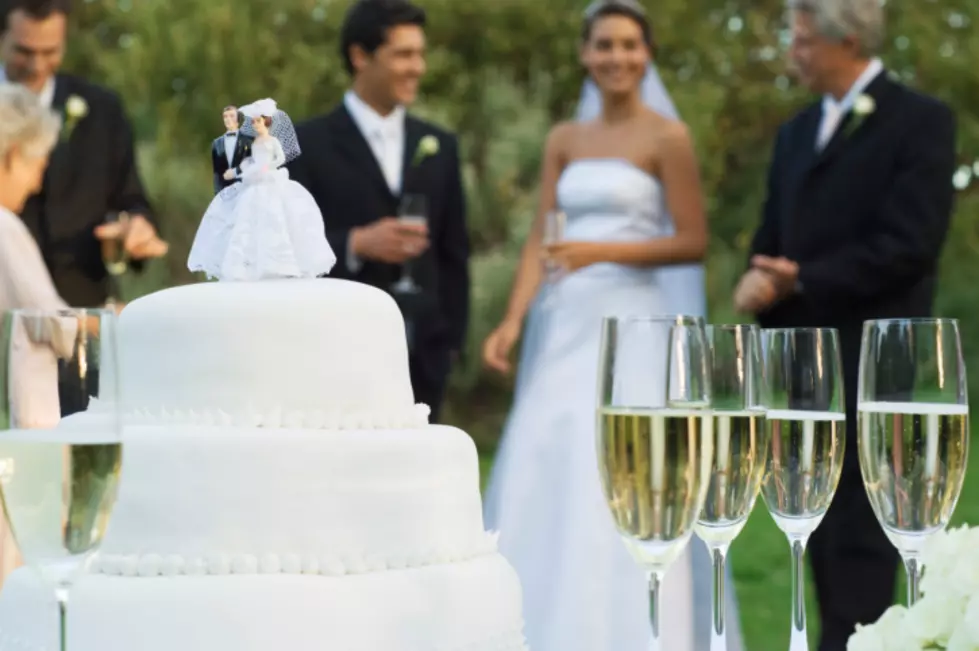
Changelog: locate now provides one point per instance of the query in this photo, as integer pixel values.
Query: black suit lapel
(846, 131)
(239, 155)
(58, 176)
(414, 132)
(355, 147)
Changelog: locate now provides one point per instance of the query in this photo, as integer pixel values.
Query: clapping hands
(768, 281)
(138, 235)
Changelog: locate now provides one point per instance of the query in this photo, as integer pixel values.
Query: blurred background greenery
(500, 72)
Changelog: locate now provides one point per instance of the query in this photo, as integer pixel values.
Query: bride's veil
(684, 285)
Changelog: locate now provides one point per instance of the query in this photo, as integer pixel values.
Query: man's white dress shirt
(833, 111)
(386, 137)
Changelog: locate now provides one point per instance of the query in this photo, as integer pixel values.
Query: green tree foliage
(500, 72)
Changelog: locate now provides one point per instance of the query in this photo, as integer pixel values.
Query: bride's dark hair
(628, 8)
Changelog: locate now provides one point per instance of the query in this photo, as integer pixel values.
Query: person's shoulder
(320, 124)
(922, 105)
(430, 128)
(94, 94)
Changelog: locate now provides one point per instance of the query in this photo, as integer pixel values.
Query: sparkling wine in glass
(654, 453)
(412, 210)
(114, 254)
(913, 430)
(60, 458)
(806, 424)
(553, 232)
(740, 443)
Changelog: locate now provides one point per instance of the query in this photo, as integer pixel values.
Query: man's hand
(229, 175)
(783, 272)
(389, 240)
(138, 236)
(755, 292)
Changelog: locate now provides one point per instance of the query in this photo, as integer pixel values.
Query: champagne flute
(806, 424)
(59, 466)
(740, 445)
(654, 455)
(913, 429)
(412, 210)
(114, 254)
(554, 223)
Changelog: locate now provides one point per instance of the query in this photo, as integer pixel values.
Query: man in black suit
(91, 173)
(359, 161)
(859, 202)
(229, 149)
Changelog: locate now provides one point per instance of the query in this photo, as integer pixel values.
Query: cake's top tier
(301, 353)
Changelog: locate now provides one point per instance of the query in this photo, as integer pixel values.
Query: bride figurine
(267, 226)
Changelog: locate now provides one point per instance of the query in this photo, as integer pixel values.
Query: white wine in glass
(806, 424)
(59, 466)
(913, 430)
(114, 255)
(413, 210)
(737, 426)
(654, 455)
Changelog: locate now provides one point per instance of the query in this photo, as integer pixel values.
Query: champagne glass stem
(655, 580)
(913, 569)
(800, 639)
(718, 637)
(61, 595)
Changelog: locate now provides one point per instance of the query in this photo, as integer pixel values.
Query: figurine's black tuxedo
(219, 158)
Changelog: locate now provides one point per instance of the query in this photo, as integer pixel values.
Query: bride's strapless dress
(582, 590)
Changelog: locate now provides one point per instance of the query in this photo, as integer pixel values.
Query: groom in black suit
(859, 201)
(229, 149)
(363, 157)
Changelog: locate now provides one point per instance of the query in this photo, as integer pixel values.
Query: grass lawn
(760, 559)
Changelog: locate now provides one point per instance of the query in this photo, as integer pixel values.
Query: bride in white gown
(618, 174)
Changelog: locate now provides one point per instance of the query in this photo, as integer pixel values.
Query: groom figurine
(363, 158)
(229, 150)
(859, 202)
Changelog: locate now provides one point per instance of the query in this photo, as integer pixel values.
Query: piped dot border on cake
(156, 565)
(415, 416)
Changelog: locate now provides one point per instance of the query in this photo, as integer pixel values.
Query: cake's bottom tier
(470, 606)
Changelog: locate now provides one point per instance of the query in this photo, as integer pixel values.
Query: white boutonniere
(76, 108)
(862, 107)
(427, 146)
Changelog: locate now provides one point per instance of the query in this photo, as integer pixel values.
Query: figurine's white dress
(266, 226)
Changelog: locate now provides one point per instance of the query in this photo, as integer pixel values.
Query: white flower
(864, 105)
(867, 638)
(933, 619)
(427, 146)
(76, 107)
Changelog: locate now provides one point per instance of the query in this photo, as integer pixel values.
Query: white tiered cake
(281, 490)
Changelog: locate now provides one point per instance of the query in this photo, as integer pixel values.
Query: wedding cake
(281, 490)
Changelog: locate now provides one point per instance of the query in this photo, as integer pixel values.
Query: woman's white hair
(25, 123)
(861, 20)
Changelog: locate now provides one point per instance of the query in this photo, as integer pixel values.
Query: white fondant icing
(294, 345)
(468, 606)
(367, 498)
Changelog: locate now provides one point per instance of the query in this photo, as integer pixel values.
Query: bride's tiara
(628, 5)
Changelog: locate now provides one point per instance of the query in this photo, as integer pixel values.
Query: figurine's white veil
(282, 128)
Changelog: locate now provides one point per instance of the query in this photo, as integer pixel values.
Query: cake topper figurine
(229, 149)
(267, 226)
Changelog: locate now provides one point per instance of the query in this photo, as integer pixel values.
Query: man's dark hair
(37, 9)
(368, 21)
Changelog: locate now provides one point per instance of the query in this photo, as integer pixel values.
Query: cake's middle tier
(209, 500)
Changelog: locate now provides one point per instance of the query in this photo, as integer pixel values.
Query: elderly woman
(28, 132)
